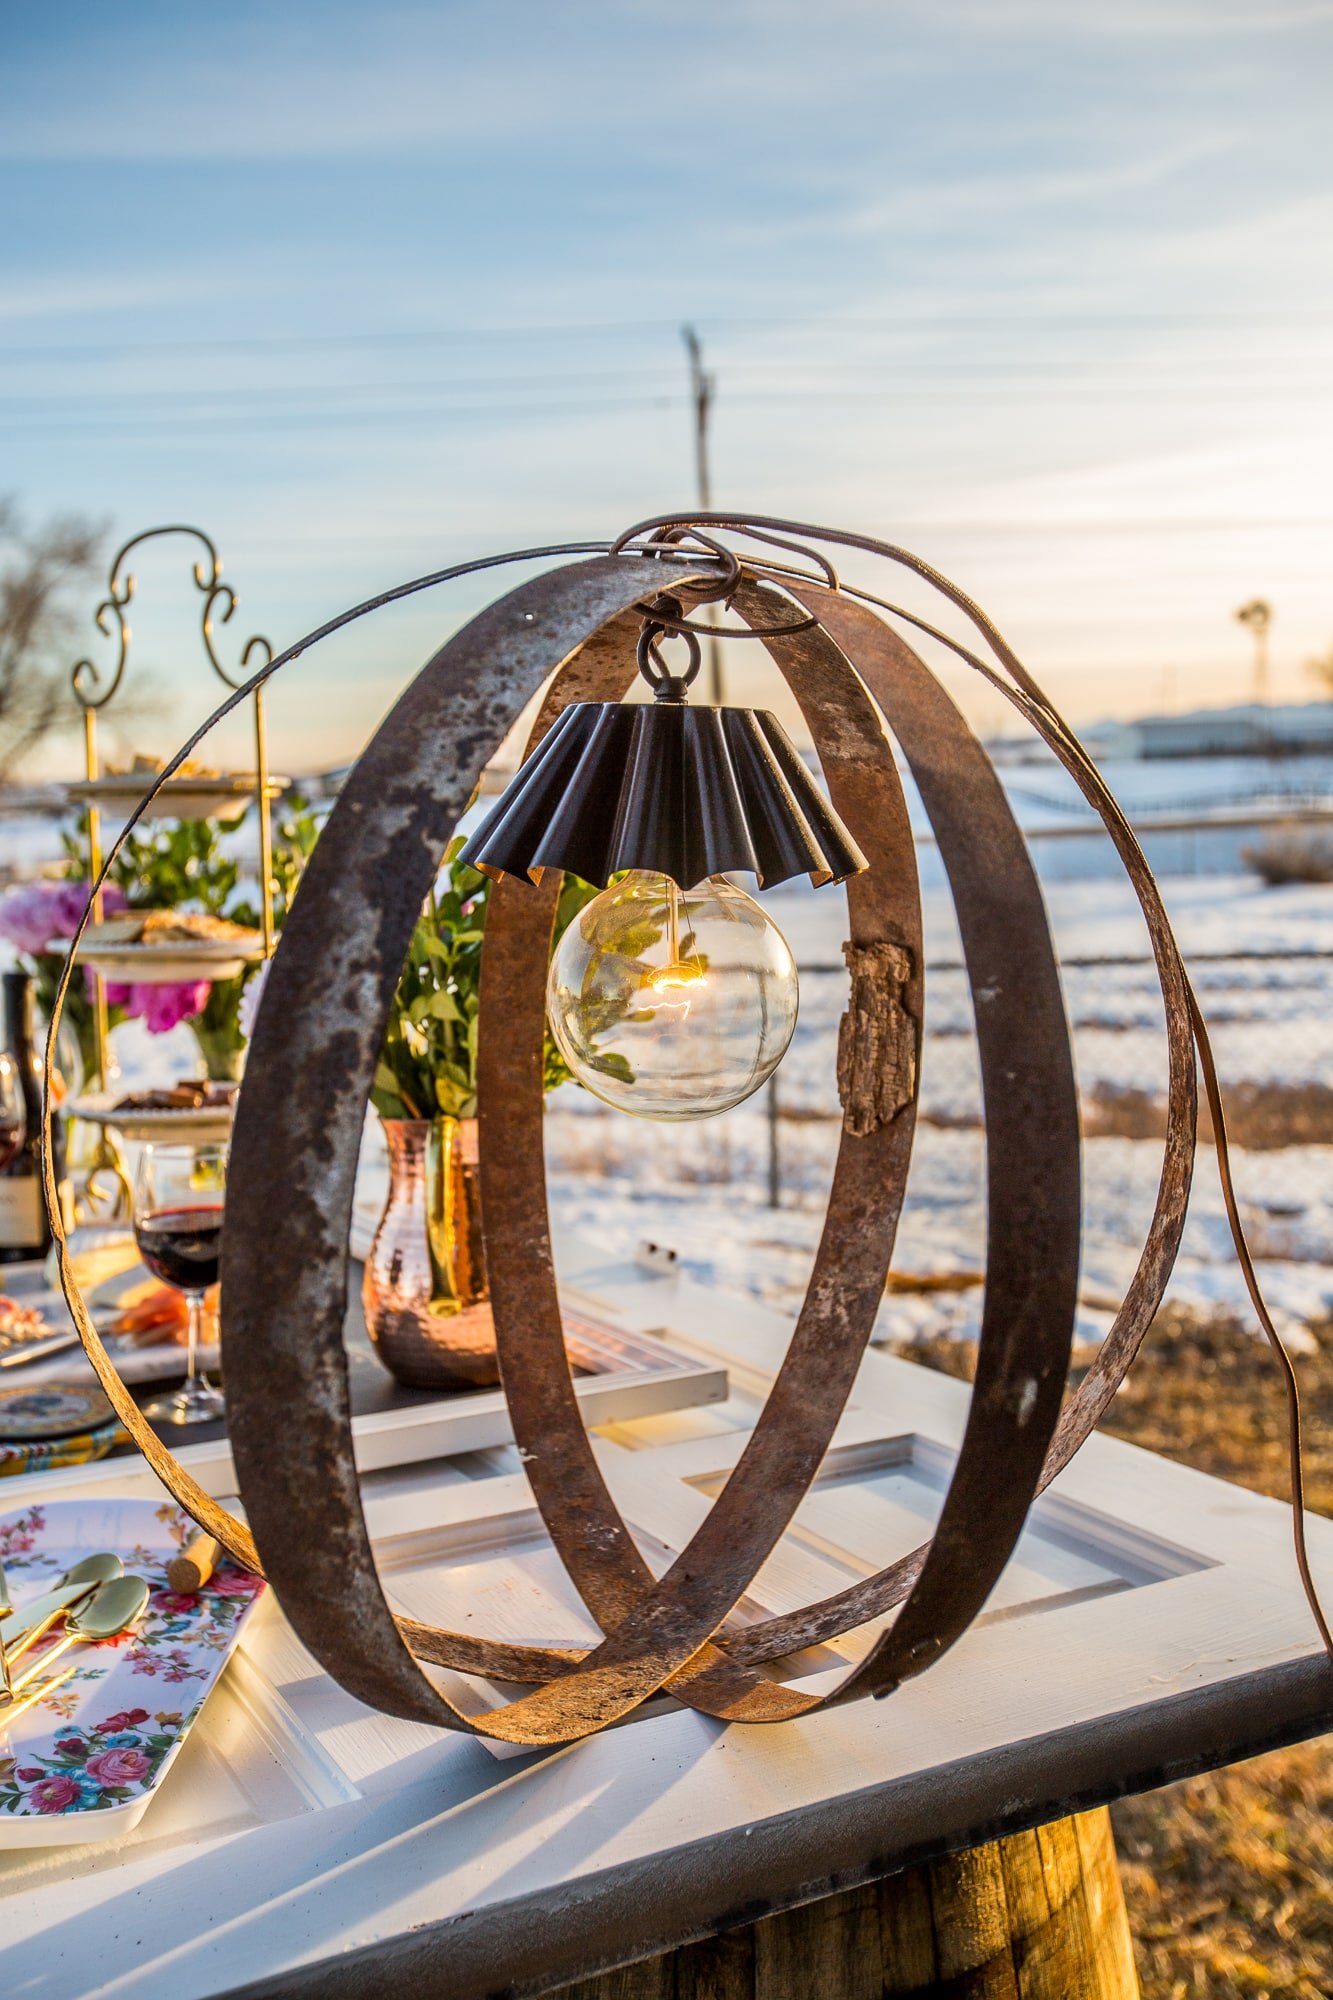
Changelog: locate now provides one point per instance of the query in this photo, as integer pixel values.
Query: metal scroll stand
(106, 1194)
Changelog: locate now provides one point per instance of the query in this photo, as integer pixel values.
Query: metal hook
(665, 685)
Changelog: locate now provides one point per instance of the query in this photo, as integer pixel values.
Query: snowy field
(703, 1189)
(1263, 964)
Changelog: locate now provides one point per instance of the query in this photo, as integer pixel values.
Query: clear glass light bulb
(672, 1004)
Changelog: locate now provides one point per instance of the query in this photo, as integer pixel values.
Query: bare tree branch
(45, 575)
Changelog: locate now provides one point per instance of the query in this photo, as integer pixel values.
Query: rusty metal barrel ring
(297, 1137)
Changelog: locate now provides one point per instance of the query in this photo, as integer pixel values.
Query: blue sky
(1043, 290)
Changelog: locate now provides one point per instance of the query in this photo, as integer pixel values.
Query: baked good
(170, 927)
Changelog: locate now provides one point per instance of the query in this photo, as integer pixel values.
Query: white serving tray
(84, 1762)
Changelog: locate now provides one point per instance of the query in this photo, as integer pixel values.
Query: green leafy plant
(428, 1060)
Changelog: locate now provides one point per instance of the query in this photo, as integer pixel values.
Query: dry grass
(1228, 1877)
(1301, 854)
(1263, 1117)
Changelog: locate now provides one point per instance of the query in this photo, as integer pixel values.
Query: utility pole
(1258, 615)
(702, 385)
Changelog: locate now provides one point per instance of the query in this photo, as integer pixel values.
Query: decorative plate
(83, 1762)
(223, 796)
(53, 1454)
(190, 1126)
(171, 964)
(53, 1410)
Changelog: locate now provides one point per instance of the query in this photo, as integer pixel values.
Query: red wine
(11, 1138)
(182, 1246)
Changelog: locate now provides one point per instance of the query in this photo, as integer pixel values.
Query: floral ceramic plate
(82, 1763)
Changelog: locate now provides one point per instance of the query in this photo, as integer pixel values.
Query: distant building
(1248, 730)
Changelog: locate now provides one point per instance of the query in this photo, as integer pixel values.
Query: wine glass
(13, 1110)
(178, 1202)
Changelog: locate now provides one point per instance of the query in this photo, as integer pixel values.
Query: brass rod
(265, 823)
(92, 772)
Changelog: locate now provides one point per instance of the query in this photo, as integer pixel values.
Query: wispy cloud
(1037, 284)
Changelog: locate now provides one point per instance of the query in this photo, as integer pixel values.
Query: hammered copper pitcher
(425, 1291)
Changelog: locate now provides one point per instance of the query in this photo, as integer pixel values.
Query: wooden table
(1150, 1625)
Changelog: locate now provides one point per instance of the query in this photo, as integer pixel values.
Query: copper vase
(425, 1290)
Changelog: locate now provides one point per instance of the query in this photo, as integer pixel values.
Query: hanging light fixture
(672, 995)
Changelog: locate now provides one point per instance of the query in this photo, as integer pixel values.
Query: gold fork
(6, 1691)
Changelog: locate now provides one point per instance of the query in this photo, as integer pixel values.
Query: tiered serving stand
(221, 795)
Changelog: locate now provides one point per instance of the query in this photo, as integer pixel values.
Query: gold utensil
(93, 1569)
(112, 1608)
(37, 1617)
(36, 1691)
(99, 1568)
(6, 1691)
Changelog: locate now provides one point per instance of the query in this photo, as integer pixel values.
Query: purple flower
(36, 912)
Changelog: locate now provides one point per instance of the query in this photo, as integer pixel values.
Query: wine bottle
(25, 1231)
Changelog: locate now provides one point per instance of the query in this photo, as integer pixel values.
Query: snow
(702, 1189)
(1262, 961)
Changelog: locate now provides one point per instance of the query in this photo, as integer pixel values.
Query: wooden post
(1036, 1916)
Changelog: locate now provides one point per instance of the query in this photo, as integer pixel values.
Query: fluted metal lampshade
(686, 792)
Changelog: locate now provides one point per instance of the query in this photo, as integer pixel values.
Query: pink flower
(161, 1008)
(55, 1794)
(29, 1774)
(118, 1767)
(36, 912)
(27, 916)
(172, 1601)
(236, 1583)
(71, 1746)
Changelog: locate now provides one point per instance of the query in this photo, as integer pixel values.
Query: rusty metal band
(1032, 1146)
(875, 1596)
(298, 1126)
(660, 1627)
(234, 1536)
(870, 1599)
(1029, 1320)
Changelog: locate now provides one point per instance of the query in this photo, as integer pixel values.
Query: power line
(985, 317)
(233, 417)
(1230, 382)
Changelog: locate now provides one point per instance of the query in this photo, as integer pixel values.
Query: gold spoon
(111, 1609)
(38, 1616)
(100, 1568)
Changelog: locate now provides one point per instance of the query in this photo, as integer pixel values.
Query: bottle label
(22, 1214)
